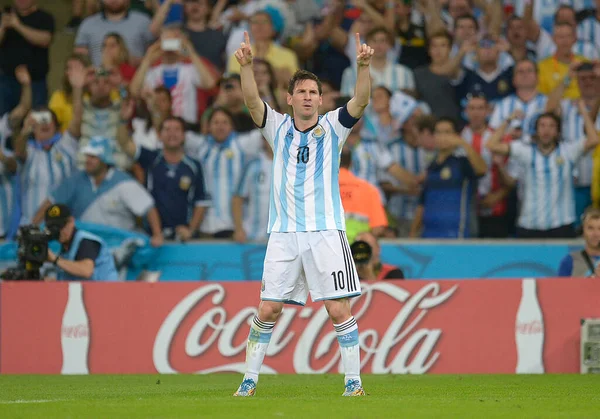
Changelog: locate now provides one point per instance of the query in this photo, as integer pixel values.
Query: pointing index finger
(246, 38)
(357, 38)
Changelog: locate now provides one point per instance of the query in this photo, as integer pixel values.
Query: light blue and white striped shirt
(223, 164)
(548, 199)
(43, 171)
(545, 47)
(305, 192)
(531, 110)
(394, 77)
(573, 130)
(255, 187)
(544, 10)
(369, 159)
(589, 30)
(7, 190)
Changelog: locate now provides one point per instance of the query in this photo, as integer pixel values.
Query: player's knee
(338, 310)
(269, 311)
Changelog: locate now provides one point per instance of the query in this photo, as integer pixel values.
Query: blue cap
(100, 147)
(277, 19)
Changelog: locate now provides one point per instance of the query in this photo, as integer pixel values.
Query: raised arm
(207, 79)
(252, 98)
(77, 77)
(123, 137)
(495, 144)
(17, 114)
(362, 92)
(159, 18)
(591, 134)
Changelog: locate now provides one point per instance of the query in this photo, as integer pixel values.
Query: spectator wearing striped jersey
(585, 262)
(446, 208)
(175, 180)
(573, 127)
(181, 70)
(516, 35)
(589, 28)
(250, 204)
(548, 201)
(384, 72)
(47, 156)
(493, 188)
(102, 194)
(526, 98)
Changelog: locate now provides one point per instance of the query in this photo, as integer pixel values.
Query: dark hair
(346, 157)
(448, 120)
(272, 81)
(223, 110)
(173, 118)
(425, 122)
(385, 89)
(470, 17)
(441, 34)
(301, 75)
(559, 9)
(557, 120)
(148, 112)
(513, 18)
(383, 30)
(527, 60)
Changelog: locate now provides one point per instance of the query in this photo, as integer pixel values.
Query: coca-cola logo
(403, 347)
(75, 331)
(533, 327)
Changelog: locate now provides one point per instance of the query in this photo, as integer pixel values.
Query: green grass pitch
(300, 396)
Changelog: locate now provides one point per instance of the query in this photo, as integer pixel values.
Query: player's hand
(243, 54)
(22, 75)
(239, 236)
(363, 52)
(183, 233)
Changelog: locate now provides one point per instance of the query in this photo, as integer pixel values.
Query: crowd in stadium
(483, 119)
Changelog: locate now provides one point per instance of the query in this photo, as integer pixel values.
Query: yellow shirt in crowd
(279, 57)
(63, 107)
(551, 73)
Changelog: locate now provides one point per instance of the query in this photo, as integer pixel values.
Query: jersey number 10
(303, 155)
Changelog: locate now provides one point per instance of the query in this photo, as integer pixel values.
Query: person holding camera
(83, 255)
(366, 254)
(586, 262)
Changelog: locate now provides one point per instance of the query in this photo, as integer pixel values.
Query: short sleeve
(467, 168)
(513, 169)
(243, 187)
(335, 121)
(193, 74)
(574, 150)
(69, 144)
(201, 196)
(272, 120)
(144, 156)
(520, 151)
(136, 198)
(377, 217)
(566, 266)
(83, 37)
(47, 23)
(88, 249)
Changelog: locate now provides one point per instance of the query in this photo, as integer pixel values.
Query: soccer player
(307, 249)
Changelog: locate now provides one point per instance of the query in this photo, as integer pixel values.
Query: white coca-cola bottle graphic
(529, 331)
(75, 336)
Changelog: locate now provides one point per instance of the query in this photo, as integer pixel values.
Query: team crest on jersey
(446, 173)
(185, 182)
(560, 161)
(503, 86)
(229, 153)
(318, 132)
(58, 157)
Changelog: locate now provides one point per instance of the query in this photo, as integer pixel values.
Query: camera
(361, 252)
(32, 252)
(43, 117)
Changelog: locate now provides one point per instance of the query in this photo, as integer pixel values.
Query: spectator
(489, 15)
(47, 156)
(383, 72)
(208, 43)
(361, 201)
(158, 105)
(115, 58)
(493, 188)
(573, 127)
(166, 12)
(379, 122)
(589, 29)
(267, 85)
(175, 73)
(548, 207)
(82, 255)
(230, 97)
(61, 101)
(101, 116)
(410, 36)
(25, 37)
(554, 70)
(526, 98)
(446, 208)
(264, 27)
(10, 122)
(370, 267)
(330, 96)
(104, 195)
(77, 13)
(433, 81)
(250, 204)
(516, 35)
(115, 17)
(585, 263)
(540, 12)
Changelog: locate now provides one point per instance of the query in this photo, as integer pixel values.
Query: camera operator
(586, 262)
(366, 254)
(83, 255)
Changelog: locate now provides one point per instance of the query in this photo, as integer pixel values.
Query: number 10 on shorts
(339, 281)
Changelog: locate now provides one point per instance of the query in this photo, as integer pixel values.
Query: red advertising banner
(445, 327)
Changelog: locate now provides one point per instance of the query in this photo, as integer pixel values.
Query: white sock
(347, 334)
(258, 341)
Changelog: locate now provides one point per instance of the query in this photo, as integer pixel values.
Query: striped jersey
(572, 130)
(548, 199)
(369, 159)
(544, 10)
(393, 76)
(589, 30)
(7, 190)
(545, 47)
(43, 171)
(305, 192)
(255, 188)
(531, 110)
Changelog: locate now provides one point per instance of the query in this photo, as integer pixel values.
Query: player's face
(380, 100)
(220, 126)
(591, 233)
(547, 131)
(477, 111)
(93, 165)
(305, 100)
(525, 75)
(172, 135)
(439, 49)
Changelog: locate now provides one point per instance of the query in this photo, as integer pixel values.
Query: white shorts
(315, 261)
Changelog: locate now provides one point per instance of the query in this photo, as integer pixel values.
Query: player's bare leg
(346, 329)
(261, 330)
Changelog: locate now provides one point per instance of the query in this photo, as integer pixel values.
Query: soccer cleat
(246, 389)
(353, 388)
